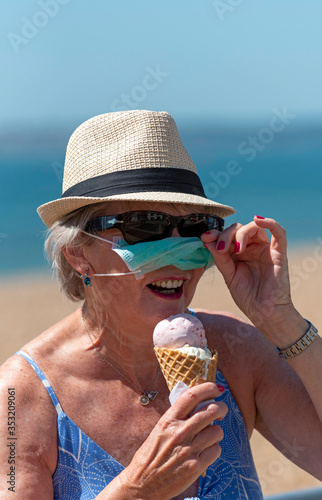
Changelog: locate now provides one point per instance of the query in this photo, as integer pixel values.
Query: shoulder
(243, 349)
(52, 350)
(34, 414)
(234, 335)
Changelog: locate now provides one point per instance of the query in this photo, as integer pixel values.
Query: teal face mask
(183, 253)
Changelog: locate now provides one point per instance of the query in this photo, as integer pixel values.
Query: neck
(128, 350)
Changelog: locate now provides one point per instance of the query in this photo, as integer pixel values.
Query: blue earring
(87, 279)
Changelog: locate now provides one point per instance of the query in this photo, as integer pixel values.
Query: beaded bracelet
(300, 345)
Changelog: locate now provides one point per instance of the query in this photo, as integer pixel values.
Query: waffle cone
(177, 366)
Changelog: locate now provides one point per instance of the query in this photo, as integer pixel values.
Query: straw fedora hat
(132, 155)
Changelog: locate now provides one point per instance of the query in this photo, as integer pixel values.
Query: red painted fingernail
(221, 245)
(207, 232)
(259, 217)
(237, 247)
(221, 388)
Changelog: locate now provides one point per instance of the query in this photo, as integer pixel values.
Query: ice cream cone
(178, 366)
(191, 370)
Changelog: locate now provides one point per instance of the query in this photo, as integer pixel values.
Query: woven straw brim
(55, 210)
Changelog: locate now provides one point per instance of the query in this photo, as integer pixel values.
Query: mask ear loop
(117, 274)
(114, 244)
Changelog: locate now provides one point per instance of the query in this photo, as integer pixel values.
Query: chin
(164, 310)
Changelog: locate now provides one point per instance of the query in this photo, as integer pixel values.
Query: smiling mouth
(167, 287)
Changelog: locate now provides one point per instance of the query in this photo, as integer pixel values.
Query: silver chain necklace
(146, 396)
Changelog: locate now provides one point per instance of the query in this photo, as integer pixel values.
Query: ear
(76, 258)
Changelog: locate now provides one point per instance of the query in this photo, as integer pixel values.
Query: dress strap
(44, 380)
(192, 311)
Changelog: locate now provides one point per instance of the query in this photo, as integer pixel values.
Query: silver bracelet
(300, 345)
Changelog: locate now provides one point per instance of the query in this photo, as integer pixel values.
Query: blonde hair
(68, 232)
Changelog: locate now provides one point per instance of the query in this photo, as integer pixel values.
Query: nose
(175, 232)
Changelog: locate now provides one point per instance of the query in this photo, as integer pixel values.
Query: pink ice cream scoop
(178, 331)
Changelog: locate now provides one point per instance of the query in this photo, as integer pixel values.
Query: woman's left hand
(255, 269)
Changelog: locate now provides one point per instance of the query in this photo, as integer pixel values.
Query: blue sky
(226, 60)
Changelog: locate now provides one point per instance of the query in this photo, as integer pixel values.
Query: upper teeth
(168, 283)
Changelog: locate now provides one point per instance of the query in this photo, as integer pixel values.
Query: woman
(124, 237)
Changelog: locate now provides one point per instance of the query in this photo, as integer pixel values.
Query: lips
(170, 287)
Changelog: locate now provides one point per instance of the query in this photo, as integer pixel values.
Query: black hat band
(174, 180)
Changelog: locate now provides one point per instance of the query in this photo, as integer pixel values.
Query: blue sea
(257, 171)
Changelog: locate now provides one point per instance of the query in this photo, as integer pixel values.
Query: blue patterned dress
(84, 468)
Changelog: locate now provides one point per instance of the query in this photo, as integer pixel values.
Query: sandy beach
(31, 304)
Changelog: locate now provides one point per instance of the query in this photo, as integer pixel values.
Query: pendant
(147, 397)
(144, 400)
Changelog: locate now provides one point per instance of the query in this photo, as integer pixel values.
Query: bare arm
(288, 393)
(270, 394)
(288, 402)
(25, 471)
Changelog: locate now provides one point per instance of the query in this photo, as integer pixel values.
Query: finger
(209, 455)
(221, 249)
(210, 236)
(222, 239)
(191, 398)
(222, 259)
(207, 416)
(197, 433)
(249, 232)
(278, 241)
(235, 241)
(187, 431)
(208, 437)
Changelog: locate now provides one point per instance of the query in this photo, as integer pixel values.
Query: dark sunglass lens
(193, 226)
(196, 225)
(147, 226)
(216, 223)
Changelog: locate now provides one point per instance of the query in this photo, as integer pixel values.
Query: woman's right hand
(179, 448)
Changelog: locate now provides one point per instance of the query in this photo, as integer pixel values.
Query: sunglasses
(147, 225)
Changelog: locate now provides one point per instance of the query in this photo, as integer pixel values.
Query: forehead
(118, 207)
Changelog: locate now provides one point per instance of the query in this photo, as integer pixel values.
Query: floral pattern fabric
(84, 468)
